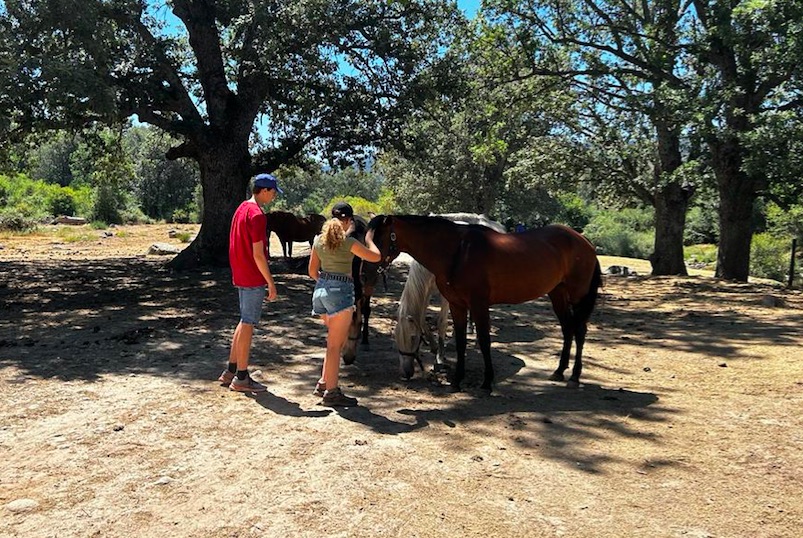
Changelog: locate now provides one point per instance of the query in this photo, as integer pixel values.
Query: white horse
(412, 327)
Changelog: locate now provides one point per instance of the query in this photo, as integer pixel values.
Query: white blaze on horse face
(407, 335)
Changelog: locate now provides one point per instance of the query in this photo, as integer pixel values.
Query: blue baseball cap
(267, 181)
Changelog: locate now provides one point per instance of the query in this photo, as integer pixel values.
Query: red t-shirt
(248, 226)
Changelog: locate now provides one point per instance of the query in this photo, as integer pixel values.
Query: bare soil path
(688, 423)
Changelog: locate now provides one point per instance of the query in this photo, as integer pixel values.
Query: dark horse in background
(476, 267)
(291, 228)
(365, 276)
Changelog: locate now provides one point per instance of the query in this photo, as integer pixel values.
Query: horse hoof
(348, 361)
(454, 388)
(572, 384)
(556, 377)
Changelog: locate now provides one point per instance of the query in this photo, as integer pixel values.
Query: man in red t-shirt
(250, 273)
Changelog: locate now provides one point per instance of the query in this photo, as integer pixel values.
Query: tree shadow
(86, 319)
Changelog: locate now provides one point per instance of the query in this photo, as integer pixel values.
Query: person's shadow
(283, 406)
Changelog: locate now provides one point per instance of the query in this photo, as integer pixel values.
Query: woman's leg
(322, 380)
(336, 337)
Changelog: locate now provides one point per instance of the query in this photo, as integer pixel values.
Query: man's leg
(241, 346)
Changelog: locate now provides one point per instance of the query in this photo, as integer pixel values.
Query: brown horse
(291, 228)
(476, 267)
(364, 275)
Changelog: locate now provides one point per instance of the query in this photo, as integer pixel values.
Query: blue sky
(469, 6)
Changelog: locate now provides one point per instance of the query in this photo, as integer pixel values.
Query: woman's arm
(369, 251)
(314, 265)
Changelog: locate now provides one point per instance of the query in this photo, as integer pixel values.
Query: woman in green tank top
(333, 298)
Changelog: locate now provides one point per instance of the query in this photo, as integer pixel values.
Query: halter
(415, 354)
(393, 251)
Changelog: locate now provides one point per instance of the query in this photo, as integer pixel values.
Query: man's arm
(262, 264)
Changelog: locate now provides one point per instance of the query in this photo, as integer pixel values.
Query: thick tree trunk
(225, 172)
(737, 195)
(671, 203)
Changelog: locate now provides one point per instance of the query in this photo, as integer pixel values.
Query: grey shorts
(332, 296)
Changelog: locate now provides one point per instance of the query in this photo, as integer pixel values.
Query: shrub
(700, 255)
(15, 221)
(361, 206)
(105, 206)
(184, 237)
(180, 216)
(769, 257)
(702, 226)
(628, 232)
(61, 201)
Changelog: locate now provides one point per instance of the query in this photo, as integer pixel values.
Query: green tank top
(335, 261)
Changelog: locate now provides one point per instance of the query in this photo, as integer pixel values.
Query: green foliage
(364, 208)
(162, 187)
(702, 226)
(184, 237)
(33, 200)
(112, 178)
(769, 257)
(13, 220)
(627, 232)
(701, 255)
(575, 212)
(787, 223)
(308, 189)
(50, 160)
(61, 202)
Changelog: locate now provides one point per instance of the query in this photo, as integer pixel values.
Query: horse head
(408, 335)
(384, 239)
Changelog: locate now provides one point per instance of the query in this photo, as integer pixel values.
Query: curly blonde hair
(332, 234)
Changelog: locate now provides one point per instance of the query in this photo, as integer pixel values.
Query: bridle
(393, 251)
(415, 354)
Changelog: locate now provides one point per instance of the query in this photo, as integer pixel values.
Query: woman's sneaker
(336, 398)
(320, 389)
(247, 385)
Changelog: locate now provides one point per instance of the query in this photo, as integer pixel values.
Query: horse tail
(585, 306)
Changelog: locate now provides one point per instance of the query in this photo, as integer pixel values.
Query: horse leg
(289, 249)
(443, 324)
(562, 308)
(581, 329)
(366, 313)
(582, 313)
(482, 323)
(460, 319)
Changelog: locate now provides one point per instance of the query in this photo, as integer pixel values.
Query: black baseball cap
(342, 210)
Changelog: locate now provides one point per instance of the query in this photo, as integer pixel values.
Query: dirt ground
(688, 423)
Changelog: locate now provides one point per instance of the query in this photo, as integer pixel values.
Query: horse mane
(414, 299)
(472, 218)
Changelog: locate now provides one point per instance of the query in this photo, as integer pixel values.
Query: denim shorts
(332, 296)
(251, 304)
